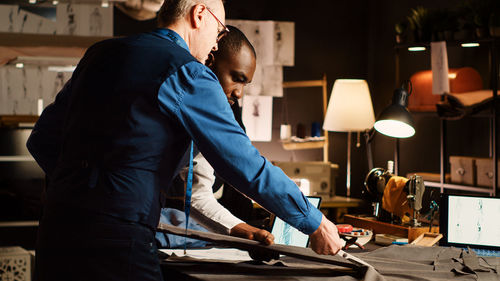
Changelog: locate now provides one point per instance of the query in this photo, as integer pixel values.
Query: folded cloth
(431, 263)
(457, 106)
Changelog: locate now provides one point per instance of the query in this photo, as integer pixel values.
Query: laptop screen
(285, 234)
(470, 221)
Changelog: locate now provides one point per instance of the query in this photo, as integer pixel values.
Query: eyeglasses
(224, 27)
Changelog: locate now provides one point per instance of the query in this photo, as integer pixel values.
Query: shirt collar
(172, 36)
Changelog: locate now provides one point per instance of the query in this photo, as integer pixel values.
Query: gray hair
(173, 10)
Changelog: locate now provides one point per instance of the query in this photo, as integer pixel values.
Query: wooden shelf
(310, 144)
(35, 40)
(487, 190)
(303, 145)
(388, 228)
(15, 120)
(341, 202)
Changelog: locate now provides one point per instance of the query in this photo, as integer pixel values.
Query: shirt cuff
(311, 222)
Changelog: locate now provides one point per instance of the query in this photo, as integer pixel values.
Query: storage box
(484, 169)
(15, 264)
(463, 170)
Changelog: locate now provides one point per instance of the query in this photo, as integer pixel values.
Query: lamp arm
(369, 134)
(409, 85)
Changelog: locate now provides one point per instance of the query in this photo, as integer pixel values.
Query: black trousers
(77, 246)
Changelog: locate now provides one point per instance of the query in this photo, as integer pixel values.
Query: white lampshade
(350, 107)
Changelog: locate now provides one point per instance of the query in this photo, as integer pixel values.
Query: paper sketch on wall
(14, 19)
(284, 46)
(22, 88)
(439, 65)
(84, 20)
(95, 27)
(33, 23)
(274, 44)
(11, 19)
(70, 20)
(257, 114)
(8, 18)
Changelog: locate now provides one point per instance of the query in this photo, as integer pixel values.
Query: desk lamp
(396, 121)
(349, 110)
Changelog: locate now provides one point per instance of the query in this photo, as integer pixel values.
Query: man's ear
(210, 60)
(197, 15)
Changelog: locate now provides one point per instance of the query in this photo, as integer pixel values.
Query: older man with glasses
(116, 135)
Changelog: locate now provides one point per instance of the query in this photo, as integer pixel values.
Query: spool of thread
(285, 132)
(315, 129)
(301, 131)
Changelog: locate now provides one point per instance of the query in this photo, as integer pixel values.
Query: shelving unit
(492, 116)
(310, 144)
(23, 232)
(35, 40)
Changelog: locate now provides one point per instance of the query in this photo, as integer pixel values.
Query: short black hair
(232, 42)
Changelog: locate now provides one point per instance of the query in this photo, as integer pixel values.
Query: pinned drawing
(95, 22)
(84, 20)
(8, 18)
(22, 88)
(274, 44)
(70, 20)
(257, 114)
(32, 23)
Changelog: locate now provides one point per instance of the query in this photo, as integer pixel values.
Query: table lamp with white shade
(349, 110)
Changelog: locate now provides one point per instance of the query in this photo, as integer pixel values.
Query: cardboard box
(463, 170)
(15, 264)
(484, 169)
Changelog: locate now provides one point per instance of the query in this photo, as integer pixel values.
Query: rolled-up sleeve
(195, 98)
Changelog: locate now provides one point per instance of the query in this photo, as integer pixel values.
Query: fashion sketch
(95, 22)
(71, 20)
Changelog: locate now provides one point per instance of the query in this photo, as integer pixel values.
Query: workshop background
(342, 39)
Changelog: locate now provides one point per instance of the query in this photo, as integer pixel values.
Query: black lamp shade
(396, 121)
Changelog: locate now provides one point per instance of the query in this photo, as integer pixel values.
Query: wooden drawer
(463, 170)
(484, 169)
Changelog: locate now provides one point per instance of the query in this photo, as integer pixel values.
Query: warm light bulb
(416, 49)
(470, 45)
(395, 129)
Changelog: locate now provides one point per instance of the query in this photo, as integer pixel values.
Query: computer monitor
(285, 234)
(470, 221)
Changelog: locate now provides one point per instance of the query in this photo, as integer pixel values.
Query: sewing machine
(397, 202)
(313, 178)
(399, 196)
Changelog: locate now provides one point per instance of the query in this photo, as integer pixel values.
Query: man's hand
(247, 231)
(325, 240)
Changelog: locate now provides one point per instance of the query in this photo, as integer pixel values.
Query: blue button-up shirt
(195, 106)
